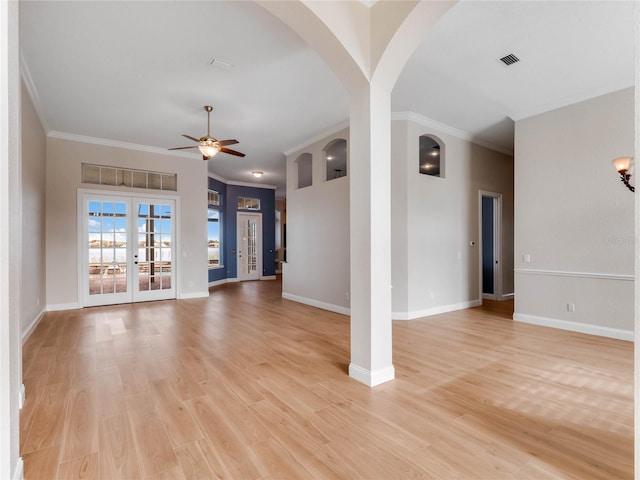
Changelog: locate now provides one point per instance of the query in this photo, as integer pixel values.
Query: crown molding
(316, 138)
(33, 93)
(116, 144)
(442, 127)
(578, 97)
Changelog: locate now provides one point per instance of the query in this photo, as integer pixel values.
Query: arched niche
(305, 170)
(335, 156)
(431, 159)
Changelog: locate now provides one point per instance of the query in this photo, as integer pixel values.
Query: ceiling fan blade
(191, 138)
(182, 148)
(224, 143)
(232, 152)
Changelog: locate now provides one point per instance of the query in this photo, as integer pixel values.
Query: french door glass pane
(107, 248)
(154, 247)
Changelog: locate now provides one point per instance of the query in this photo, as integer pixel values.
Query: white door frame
(497, 245)
(81, 192)
(258, 246)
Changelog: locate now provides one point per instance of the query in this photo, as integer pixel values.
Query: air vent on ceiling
(509, 59)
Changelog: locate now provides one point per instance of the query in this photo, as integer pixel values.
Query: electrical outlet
(571, 307)
(346, 296)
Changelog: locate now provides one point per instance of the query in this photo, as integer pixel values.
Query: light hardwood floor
(246, 385)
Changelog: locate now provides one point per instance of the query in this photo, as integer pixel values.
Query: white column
(370, 236)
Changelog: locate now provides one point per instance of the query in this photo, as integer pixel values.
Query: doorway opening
(127, 248)
(490, 248)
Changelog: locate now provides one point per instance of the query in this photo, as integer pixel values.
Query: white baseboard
(268, 277)
(187, 296)
(435, 310)
(21, 397)
(372, 378)
(18, 472)
(27, 333)
(575, 326)
(317, 303)
(215, 283)
(489, 296)
(506, 296)
(63, 306)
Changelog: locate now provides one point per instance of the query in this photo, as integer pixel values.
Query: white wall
(10, 243)
(575, 218)
(317, 267)
(34, 154)
(434, 220)
(64, 159)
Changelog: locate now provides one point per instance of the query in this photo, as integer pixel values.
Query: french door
(249, 246)
(128, 249)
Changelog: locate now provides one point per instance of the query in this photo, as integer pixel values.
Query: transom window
(245, 203)
(214, 198)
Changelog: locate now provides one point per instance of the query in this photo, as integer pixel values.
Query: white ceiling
(138, 72)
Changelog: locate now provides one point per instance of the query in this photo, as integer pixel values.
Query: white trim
(427, 312)
(429, 123)
(242, 184)
(506, 296)
(316, 138)
(21, 396)
(18, 472)
(33, 93)
(116, 144)
(187, 296)
(215, 283)
(489, 296)
(253, 185)
(372, 377)
(268, 277)
(575, 326)
(27, 333)
(560, 273)
(63, 306)
(317, 303)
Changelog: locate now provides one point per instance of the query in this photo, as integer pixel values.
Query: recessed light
(257, 173)
(330, 157)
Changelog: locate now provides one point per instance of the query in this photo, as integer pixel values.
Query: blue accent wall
(229, 209)
(216, 274)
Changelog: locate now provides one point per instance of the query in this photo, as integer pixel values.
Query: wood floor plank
(118, 458)
(81, 429)
(247, 385)
(176, 417)
(49, 419)
(152, 442)
(82, 468)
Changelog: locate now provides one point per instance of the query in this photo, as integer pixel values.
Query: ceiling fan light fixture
(257, 173)
(208, 150)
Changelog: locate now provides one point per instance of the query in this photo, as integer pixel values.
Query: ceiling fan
(208, 145)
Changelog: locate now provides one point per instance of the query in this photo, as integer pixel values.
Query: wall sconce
(624, 166)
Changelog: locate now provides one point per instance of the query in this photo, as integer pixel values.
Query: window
(335, 154)
(431, 156)
(245, 203)
(125, 177)
(213, 232)
(214, 198)
(305, 166)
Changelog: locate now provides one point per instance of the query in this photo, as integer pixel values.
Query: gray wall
(575, 218)
(34, 154)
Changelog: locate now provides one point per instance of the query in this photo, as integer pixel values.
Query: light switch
(526, 258)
